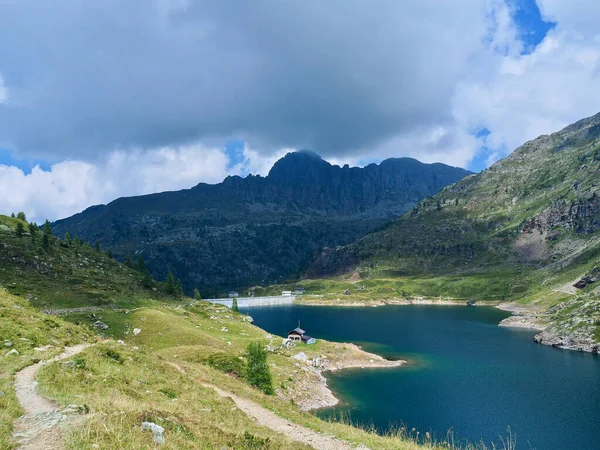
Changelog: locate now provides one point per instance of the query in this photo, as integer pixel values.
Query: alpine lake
(464, 374)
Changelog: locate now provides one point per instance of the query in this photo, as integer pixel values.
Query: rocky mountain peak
(300, 167)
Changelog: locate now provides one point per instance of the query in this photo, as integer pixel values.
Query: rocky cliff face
(258, 230)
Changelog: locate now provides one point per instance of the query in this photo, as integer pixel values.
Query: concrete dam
(249, 302)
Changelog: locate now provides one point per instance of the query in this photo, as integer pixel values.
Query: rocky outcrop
(588, 279)
(580, 341)
(574, 325)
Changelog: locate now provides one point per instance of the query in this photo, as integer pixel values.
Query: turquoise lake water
(465, 373)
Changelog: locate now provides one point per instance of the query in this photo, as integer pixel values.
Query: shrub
(257, 371)
(114, 355)
(227, 363)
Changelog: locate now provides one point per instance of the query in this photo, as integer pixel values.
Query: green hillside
(161, 372)
(526, 229)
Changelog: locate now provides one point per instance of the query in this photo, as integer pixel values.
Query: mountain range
(258, 230)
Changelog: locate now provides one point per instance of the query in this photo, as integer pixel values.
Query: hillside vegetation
(258, 230)
(527, 229)
(156, 358)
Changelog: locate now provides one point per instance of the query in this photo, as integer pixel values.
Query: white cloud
(284, 76)
(71, 186)
(534, 94)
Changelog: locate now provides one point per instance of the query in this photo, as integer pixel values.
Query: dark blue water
(465, 373)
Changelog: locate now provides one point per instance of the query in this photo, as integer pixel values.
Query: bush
(227, 363)
(114, 355)
(257, 371)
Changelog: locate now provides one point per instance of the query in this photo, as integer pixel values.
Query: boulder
(157, 431)
(301, 357)
(100, 325)
(13, 352)
(137, 331)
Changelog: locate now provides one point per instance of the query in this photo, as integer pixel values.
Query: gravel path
(40, 428)
(276, 423)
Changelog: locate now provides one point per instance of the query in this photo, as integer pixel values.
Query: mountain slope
(159, 373)
(526, 229)
(537, 208)
(258, 230)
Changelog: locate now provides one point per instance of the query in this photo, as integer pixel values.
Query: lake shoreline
(527, 317)
(318, 395)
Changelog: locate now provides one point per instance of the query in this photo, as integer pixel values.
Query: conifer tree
(32, 228)
(141, 265)
(67, 238)
(12, 215)
(234, 305)
(47, 228)
(46, 242)
(21, 216)
(170, 283)
(197, 294)
(109, 253)
(257, 371)
(20, 229)
(147, 281)
(179, 288)
(97, 245)
(129, 260)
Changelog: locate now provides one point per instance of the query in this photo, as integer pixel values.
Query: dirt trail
(40, 428)
(276, 423)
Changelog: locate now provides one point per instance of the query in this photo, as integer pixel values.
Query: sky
(103, 99)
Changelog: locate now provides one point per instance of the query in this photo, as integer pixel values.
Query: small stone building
(299, 335)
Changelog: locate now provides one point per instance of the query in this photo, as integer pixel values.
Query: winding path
(40, 428)
(269, 419)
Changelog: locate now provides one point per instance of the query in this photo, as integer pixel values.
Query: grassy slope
(518, 231)
(66, 275)
(141, 386)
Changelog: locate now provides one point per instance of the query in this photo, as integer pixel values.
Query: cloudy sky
(105, 98)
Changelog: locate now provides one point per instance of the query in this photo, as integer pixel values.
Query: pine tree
(20, 229)
(21, 216)
(109, 253)
(179, 288)
(47, 228)
(67, 238)
(141, 265)
(147, 281)
(129, 260)
(257, 371)
(12, 215)
(234, 305)
(170, 283)
(32, 228)
(197, 294)
(46, 242)
(97, 245)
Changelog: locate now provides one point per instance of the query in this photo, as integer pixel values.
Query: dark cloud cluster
(337, 76)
